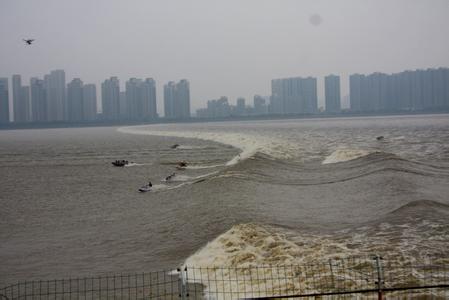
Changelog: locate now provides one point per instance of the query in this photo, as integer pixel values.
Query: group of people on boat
(120, 163)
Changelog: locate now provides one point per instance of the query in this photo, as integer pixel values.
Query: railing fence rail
(353, 277)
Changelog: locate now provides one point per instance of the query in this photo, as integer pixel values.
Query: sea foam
(342, 155)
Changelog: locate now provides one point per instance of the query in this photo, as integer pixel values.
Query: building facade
(405, 91)
(260, 105)
(89, 102)
(21, 100)
(294, 96)
(75, 104)
(169, 100)
(110, 99)
(177, 100)
(332, 93)
(141, 99)
(38, 100)
(4, 101)
(182, 100)
(55, 87)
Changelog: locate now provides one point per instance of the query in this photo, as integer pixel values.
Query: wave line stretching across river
(249, 144)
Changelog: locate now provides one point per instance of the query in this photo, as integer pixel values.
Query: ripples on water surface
(265, 192)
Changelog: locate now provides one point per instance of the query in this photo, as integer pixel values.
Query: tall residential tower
(110, 99)
(4, 101)
(332, 93)
(177, 100)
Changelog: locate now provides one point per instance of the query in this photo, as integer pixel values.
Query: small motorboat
(380, 138)
(145, 188)
(174, 146)
(182, 165)
(120, 163)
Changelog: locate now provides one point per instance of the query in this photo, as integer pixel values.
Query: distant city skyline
(234, 49)
(50, 99)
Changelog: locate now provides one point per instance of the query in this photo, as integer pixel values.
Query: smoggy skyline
(230, 48)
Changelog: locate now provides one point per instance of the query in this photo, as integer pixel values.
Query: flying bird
(28, 41)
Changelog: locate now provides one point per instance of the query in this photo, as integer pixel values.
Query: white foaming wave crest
(248, 143)
(345, 154)
(252, 246)
(258, 246)
(164, 187)
(245, 245)
(134, 165)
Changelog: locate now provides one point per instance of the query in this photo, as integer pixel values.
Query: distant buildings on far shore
(419, 90)
(52, 100)
(408, 91)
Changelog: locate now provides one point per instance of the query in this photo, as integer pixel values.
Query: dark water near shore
(322, 186)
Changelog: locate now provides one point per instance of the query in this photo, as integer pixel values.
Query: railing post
(183, 283)
(332, 273)
(380, 277)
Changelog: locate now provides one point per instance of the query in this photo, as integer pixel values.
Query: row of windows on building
(50, 100)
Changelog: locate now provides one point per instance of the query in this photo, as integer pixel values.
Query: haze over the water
(232, 48)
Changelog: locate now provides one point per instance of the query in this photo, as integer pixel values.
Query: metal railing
(354, 277)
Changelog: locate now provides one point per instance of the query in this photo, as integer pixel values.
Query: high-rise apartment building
(309, 91)
(182, 100)
(148, 90)
(16, 99)
(141, 99)
(25, 104)
(219, 108)
(332, 93)
(90, 102)
(294, 96)
(134, 99)
(169, 100)
(260, 105)
(55, 87)
(110, 99)
(21, 100)
(404, 91)
(38, 100)
(4, 101)
(75, 103)
(123, 106)
(177, 99)
(355, 91)
(240, 108)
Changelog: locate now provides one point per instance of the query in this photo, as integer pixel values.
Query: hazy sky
(228, 47)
